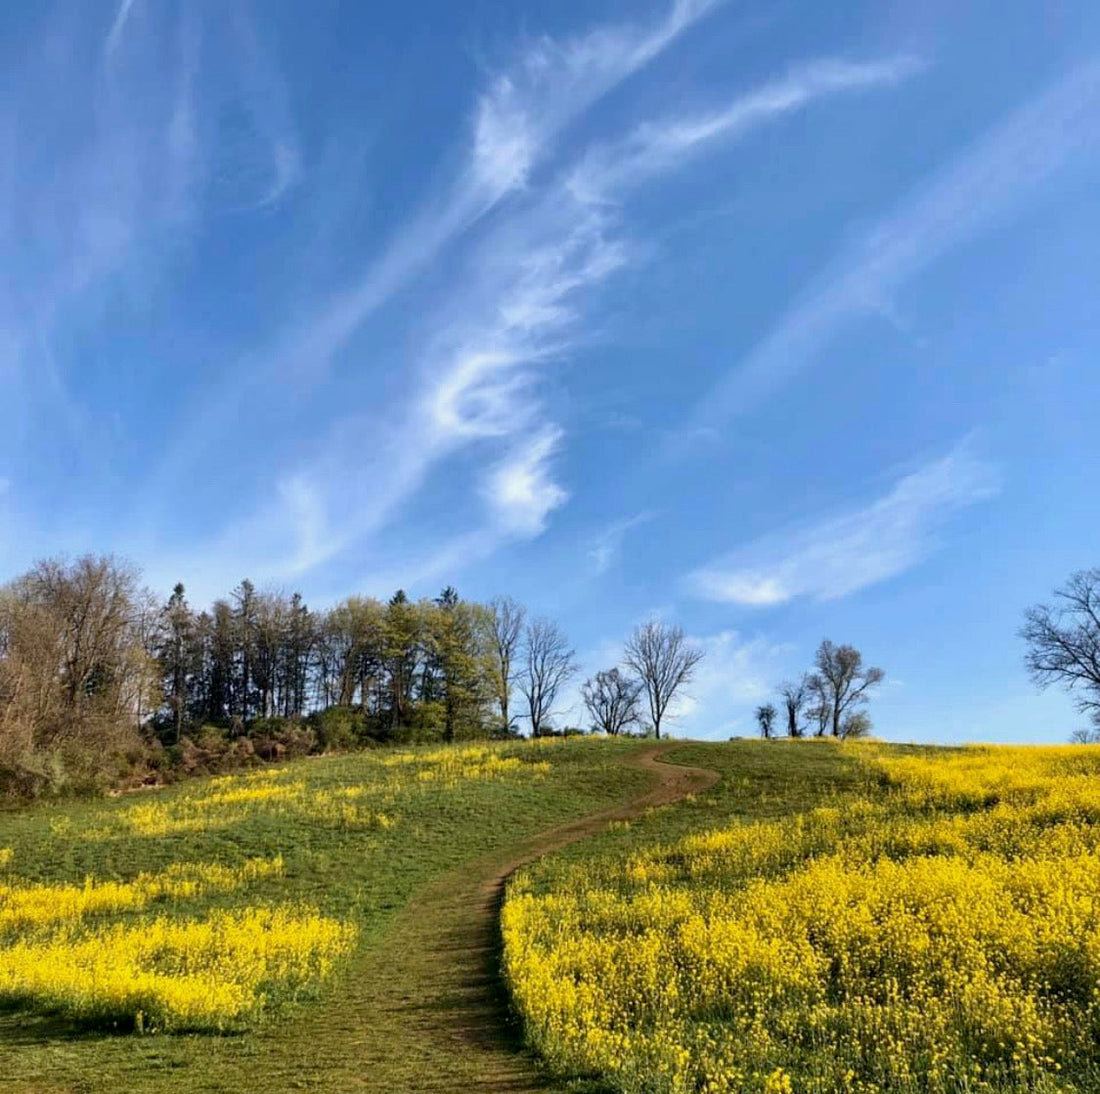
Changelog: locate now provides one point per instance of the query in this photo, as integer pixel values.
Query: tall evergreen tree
(176, 655)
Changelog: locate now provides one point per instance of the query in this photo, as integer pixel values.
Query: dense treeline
(426, 666)
(100, 683)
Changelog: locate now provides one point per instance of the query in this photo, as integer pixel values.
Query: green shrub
(338, 728)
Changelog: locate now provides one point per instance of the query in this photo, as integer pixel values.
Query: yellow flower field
(937, 932)
(170, 925)
(33, 906)
(57, 952)
(188, 973)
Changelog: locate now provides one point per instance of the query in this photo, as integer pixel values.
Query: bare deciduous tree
(548, 664)
(765, 719)
(843, 681)
(505, 630)
(612, 699)
(1085, 735)
(664, 661)
(75, 673)
(819, 710)
(794, 695)
(1064, 640)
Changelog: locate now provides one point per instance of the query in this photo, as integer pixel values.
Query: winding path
(437, 973)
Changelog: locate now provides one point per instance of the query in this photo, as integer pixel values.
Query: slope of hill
(831, 918)
(345, 841)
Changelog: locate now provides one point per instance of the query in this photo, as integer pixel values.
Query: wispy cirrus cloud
(514, 127)
(118, 26)
(553, 82)
(607, 546)
(113, 160)
(516, 311)
(516, 123)
(608, 171)
(992, 180)
(842, 554)
(109, 185)
(520, 489)
(517, 308)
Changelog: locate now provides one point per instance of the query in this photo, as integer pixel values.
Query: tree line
(98, 678)
(1062, 640)
(827, 701)
(100, 682)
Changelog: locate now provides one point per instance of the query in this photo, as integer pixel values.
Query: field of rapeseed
(204, 936)
(934, 928)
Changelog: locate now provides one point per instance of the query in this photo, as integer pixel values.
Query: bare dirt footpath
(435, 981)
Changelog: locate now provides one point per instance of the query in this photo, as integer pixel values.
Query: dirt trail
(435, 979)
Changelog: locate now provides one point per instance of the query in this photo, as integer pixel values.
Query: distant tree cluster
(827, 701)
(401, 665)
(97, 679)
(658, 662)
(76, 673)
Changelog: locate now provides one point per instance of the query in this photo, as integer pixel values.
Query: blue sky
(779, 321)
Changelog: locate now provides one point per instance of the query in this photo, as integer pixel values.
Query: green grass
(759, 781)
(369, 877)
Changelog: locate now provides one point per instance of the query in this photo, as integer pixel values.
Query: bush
(281, 738)
(856, 725)
(338, 728)
(211, 739)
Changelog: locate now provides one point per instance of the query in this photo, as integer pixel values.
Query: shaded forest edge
(102, 686)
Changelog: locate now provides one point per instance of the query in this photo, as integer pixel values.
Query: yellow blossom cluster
(175, 973)
(453, 765)
(228, 801)
(6, 855)
(164, 971)
(32, 906)
(938, 932)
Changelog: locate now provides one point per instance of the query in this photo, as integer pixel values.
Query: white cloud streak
(989, 182)
(101, 190)
(272, 164)
(655, 147)
(842, 554)
(516, 308)
(607, 546)
(554, 83)
(514, 128)
(516, 123)
(118, 25)
(519, 489)
(475, 386)
(525, 289)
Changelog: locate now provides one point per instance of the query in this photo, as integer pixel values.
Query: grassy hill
(829, 918)
(345, 840)
(815, 917)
